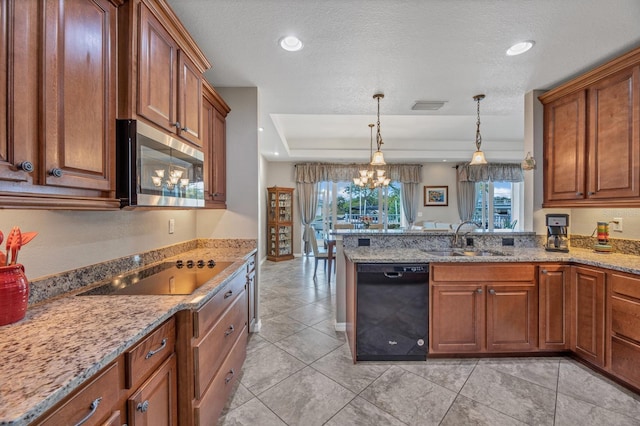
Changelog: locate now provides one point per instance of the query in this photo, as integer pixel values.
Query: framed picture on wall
(436, 195)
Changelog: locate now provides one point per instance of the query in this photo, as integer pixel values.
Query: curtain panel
(495, 172)
(334, 172)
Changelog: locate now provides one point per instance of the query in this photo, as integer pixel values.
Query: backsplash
(55, 285)
(619, 245)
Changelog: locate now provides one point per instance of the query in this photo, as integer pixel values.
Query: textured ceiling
(315, 104)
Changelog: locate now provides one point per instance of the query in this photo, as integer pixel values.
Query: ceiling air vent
(428, 105)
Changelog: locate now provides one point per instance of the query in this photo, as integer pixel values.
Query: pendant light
(378, 159)
(368, 177)
(478, 156)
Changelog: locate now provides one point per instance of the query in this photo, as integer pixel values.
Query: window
(498, 205)
(345, 203)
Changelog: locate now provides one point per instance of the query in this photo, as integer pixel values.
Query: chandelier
(478, 156)
(368, 177)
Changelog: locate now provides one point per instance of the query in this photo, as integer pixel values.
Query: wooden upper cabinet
(592, 137)
(58, 77)
(214, 137)
(79, 94)
(614, 136)
(161, 70)
(564, 149)
(157, 72)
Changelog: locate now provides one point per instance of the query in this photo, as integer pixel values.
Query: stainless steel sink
(468, 253)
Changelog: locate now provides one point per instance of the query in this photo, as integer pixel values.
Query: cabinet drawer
(625, 358)
(251, 264)
(625, 318)
(207, 410)
(104, 389)
(215, 345)
(625, 285)
(149, 353)
(483, 272)
(208, 314)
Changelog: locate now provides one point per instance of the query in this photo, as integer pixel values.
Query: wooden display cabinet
(279, 223)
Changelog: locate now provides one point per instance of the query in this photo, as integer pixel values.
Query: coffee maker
(557, 233)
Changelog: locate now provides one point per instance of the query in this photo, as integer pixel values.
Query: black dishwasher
(392, 312)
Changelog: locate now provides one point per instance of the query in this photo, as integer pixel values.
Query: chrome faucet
(456, 235)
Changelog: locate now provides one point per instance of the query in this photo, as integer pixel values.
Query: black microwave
(155, 169)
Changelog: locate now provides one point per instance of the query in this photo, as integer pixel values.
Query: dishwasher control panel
(410, 268)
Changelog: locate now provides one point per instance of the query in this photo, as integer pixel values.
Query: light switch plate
(172, 225)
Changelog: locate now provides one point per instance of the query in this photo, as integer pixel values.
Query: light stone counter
(615, 261)
(63, 342)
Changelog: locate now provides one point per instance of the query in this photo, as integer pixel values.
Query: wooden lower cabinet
(624, 326)
(457, 317)
(553, 302)
(588, 314)
(156, 402)
(484, 308)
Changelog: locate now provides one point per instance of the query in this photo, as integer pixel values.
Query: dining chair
(318, 255)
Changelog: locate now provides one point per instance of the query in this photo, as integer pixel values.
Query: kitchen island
(63, 342)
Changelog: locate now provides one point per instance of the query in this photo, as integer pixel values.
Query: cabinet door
(155, 403)
(457, 317)
(189, 100)
(19, 46)
(588, 304)
(157, 72)
(564, 148)
(79, 94)
(553, 299)
(219, 158)
(614, 132)
(512, 317)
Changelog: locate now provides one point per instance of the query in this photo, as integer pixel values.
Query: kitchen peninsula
(511, 299)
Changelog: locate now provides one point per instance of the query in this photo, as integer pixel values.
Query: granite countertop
(615, 261)
(61, 343)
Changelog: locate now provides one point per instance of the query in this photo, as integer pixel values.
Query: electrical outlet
(419, 214)
(172, 225)
(616, 224)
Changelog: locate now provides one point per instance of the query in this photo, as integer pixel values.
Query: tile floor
(299, 372)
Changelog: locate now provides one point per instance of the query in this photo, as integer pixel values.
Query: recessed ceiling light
(276, 153)
(261, 129)
(520, 48)
(291, 43)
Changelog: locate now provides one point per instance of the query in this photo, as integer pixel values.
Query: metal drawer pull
(230, 330)
(479, 291)
(544, 271)
(143, 406)
(492, 291)
(162, 346)
(93, 407)
(228, 294)
(229, 376)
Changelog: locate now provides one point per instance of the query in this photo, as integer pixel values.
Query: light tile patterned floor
(299, 372)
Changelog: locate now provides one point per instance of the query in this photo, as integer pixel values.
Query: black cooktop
(168, 278)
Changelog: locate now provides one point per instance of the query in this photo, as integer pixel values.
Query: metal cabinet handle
(93, 407)
(177, 124)
(25, 166)
(162, 346)
(230, 330)
(143, 406)
(479, 291)
(55, 172)
(492, 291)
(229, 376)
(228, 294)
(591, 193)
(579, 194)
(544, 271)
(185, 129)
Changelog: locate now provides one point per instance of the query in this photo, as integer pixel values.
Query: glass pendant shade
(478, 158)
(378, 159)
(529, 163)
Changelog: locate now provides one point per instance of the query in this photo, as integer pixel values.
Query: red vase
(14, 294)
